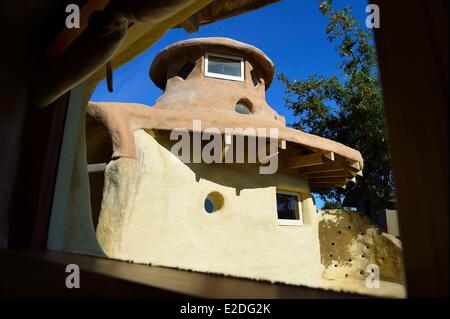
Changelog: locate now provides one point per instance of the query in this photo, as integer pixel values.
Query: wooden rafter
(352, 180)
(227, 144)
(308, 160)
(67, 36)
(317, 187)
(332, 166)
(282, 144)
(330, 180)
(342, 174)
(191, 24)
(356, 166)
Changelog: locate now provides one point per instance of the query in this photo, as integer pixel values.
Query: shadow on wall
(236, 175)
(98, 150)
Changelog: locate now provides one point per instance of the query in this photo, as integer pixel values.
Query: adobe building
(150, 206)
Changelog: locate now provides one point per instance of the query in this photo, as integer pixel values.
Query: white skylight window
(224, 66)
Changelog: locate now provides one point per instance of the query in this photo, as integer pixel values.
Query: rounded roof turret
(198, 46)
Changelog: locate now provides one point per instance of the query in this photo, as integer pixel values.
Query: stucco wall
(153, 212)
(350, 242)
(350, 245)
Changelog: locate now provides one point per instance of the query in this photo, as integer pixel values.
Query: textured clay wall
(153, 212)
(349, 243)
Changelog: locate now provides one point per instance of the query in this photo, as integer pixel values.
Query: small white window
(289, 208)
(224, 67)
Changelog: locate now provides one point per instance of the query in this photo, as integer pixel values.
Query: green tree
(347, 107)
(331, 205)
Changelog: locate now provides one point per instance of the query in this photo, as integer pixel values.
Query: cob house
(151, 205)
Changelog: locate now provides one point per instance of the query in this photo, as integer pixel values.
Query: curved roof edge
(122, 119)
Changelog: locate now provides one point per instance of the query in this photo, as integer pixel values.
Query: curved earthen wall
(349, 243)
(153, 212)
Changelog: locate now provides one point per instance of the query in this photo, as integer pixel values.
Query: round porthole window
(242, 108)
(213, 202)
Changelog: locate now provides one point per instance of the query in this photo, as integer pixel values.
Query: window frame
(290, 222)
(224, 76)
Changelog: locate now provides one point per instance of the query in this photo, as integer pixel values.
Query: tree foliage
(331, 205)
(347, 107)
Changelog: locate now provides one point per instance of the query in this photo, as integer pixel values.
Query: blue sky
(290, 32)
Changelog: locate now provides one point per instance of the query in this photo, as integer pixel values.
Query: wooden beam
(268, 157)
(282, 144)
(341, 174)
(332, 166)
(328, 155)
(304, 161)
(331, 180)
(139, 281)
(356, 166)
(307, 160)
(227, 143)
(204, 15)
(418, 137)
(67, 36)
(190, 24)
